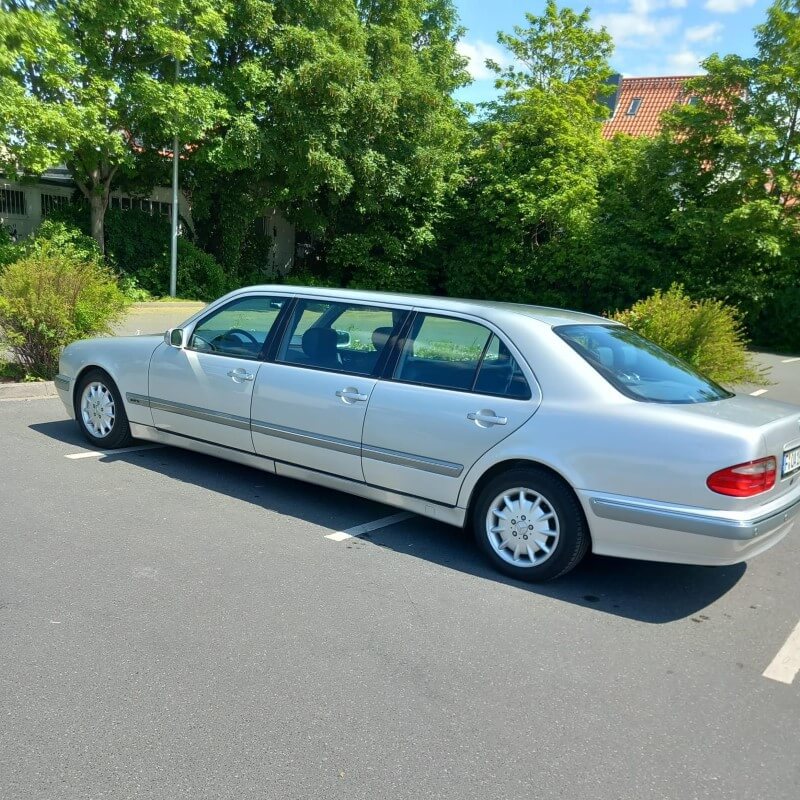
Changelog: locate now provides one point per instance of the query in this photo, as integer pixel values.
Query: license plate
(791, 462)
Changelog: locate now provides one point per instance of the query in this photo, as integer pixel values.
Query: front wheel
(529, 524)
(100, 413)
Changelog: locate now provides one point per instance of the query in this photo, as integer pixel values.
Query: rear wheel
(529, 524)
(100, 413)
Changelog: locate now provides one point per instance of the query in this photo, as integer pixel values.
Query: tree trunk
(97, 207)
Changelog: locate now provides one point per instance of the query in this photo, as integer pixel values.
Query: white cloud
(684, 62)
(704, 33)
(639, 26)
(476, 54)
(728, 6)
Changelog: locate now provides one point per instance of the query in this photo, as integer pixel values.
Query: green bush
(138, 246)
(57, 292)
(776, 324)
(706, 334)
(200, 277)
(7, 248)
(61, 237)
(136, 241)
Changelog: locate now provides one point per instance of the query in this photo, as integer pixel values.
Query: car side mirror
(343, 339)
(174, 337)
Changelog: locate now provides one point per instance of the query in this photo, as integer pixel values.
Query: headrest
(319, 342)
(380, 336)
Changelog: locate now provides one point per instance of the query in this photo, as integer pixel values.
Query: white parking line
(758, 392)
(789, 360)
(384, 522)
(99, 453)
(786, 664)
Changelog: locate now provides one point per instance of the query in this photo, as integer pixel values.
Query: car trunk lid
(779, 427)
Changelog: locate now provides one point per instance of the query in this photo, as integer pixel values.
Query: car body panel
(421, 437)
(125, 358)
(199, 395)
(638, 469)
(298, 418)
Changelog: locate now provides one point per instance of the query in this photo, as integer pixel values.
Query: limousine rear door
(456, 391)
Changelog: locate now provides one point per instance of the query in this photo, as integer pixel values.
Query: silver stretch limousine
(548, 432)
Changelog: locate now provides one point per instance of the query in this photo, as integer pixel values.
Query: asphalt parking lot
(174, 626)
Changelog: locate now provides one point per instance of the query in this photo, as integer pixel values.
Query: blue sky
(653, 37)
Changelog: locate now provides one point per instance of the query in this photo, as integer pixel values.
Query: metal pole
(173, 275)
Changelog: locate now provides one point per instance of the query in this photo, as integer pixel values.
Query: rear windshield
(637, 367)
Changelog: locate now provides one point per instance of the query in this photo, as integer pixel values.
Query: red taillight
(745, 480)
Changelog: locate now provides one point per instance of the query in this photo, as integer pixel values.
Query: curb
(27, 391)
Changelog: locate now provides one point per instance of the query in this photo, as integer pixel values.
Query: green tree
(535, 162)
(340, 115)
(91, 84)
(735, 166)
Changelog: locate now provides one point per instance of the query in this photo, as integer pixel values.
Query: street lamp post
(173, 275)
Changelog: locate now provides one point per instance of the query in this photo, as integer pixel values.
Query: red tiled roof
(656, 96)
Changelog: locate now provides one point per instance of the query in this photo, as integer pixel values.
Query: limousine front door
(203, 390)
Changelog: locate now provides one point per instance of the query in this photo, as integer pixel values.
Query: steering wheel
(237, 332)
(246, 334)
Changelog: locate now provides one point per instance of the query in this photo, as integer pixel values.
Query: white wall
(25, 224)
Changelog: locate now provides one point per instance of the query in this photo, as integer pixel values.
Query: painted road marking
(789, 360)
(758, 392)
(384, 522)
(786, 664)
(99, 453)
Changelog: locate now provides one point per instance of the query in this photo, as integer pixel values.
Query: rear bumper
(636, 528)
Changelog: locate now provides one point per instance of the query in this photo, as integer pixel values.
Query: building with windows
(23, 206)
(639, 103)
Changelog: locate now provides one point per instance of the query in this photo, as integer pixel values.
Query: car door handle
(486, 417)
(241, 375)
(351, 395)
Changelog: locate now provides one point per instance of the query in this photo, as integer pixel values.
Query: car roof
(544, 314)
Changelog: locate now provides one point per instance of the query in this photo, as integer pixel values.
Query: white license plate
(791, 462)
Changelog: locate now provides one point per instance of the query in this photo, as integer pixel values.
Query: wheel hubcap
(98, 410)
(522, 527)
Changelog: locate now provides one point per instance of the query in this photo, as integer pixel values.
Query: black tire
(567, 548)
(119, 434)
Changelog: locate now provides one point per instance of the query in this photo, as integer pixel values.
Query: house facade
(639, 103)
(23, 206)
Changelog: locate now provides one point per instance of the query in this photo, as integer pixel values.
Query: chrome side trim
(688, 522)
(346, 446)
(415, 462)
(62, 382)
(304, 437)
(355, 449)
(137, 399)
(198, 413)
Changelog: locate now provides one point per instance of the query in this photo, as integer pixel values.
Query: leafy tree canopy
(90, 84)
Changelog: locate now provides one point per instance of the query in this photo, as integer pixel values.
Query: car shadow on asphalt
(638, 590)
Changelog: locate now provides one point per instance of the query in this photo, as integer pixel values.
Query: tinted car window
(500, 374)
(443, 351)
(637, 367)
(338, 336)
(238, 329)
